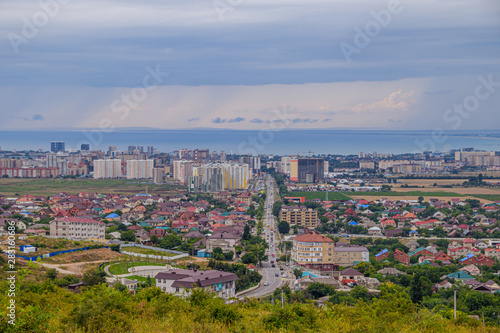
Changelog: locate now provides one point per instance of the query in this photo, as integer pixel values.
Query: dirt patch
(409, 197)
(83, 256)
(202, 262)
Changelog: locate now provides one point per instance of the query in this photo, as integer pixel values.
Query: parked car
(276, 274)
(266, 283)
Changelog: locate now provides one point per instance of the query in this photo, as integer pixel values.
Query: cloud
(36, 117)
(304, 120)
(398, 100)
(219, 120)
(195, 119)
(256, 121)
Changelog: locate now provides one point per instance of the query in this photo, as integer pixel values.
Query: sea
(266, 141)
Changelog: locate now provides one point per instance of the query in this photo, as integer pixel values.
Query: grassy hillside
(47, 308)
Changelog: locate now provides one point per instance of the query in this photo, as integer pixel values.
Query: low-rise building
(79, 228)
(182, 281)
(350, 255)
(313, 251)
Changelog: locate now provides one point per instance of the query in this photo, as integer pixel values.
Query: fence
(151, 256)
(149, 247)
(47, 255)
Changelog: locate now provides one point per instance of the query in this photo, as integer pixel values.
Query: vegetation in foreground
(44, 307)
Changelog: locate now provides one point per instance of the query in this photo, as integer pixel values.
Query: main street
(271, 234)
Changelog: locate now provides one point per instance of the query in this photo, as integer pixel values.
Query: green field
(318, 195)
(44, 187)
(140, 278)
(407, 193)
(135, 249)
(491, 197)
(122, 267)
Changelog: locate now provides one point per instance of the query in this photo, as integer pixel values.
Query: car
(281, 268)
(276, 274)
(266, 283)
(273, 265)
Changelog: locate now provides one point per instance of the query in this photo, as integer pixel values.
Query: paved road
(270, 233)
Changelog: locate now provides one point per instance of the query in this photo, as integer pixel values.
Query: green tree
(359, 292)
(170, 242)
(283, 227)
(246, 233)
(128, 236)
(52, 274)
(318, 289)
(249, 258)
(154, 239)
(416, 289)
(93, 277)
(297, 272)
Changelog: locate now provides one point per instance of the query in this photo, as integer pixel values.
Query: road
(270, 233)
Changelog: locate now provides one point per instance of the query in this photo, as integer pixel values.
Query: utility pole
(455, 304)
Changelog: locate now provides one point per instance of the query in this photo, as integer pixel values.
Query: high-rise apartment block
(140, 169)
(57, 146)
(107, 169)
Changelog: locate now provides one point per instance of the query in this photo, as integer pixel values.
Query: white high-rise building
(107, 169)
(219, 176)
(285, 165)
(140, 169)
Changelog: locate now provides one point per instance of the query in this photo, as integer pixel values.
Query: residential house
(401, 257)
(182, 281)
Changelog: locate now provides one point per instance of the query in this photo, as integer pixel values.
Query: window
(176, 289)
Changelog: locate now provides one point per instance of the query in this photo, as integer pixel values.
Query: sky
(249, 64)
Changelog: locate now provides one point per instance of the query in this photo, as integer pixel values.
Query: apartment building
(107, 169)
(79, 228)
(314, 251)
(30, 172)
(215, 177)
(140, 169)
(299, 215)
(181, 281)
(350, 255)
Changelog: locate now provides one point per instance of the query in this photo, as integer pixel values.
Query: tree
(170, 242)
(52, 274)
(217, 254)
(128, 236)
(283, 227)
(249, 258)
(229, 255)
(423, 242)
(420, 199)
(297, 272)
(246, 233)
(416, 289)
(154, 239)
(94, 277)
(318, 289)
(359, 292)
